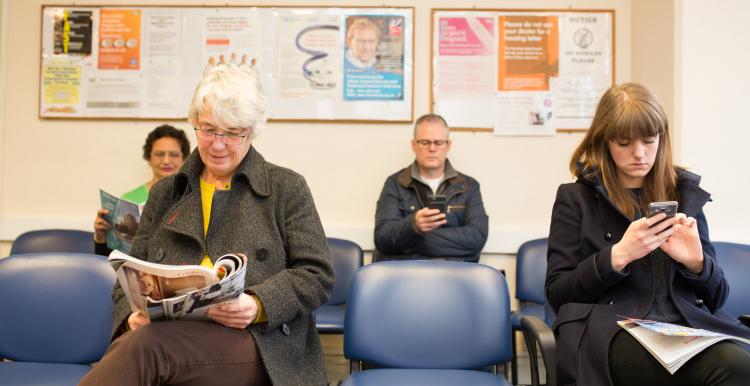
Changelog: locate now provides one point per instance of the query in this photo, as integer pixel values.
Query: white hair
(235, 95)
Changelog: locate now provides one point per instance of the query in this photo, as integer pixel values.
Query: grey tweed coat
(269, 215)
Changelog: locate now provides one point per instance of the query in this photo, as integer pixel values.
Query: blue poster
(374, 58)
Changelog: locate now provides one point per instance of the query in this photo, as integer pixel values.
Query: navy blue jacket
(589, 295)
(462, 238)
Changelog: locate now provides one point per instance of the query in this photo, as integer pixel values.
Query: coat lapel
(186, 217)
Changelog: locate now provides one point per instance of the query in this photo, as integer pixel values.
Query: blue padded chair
(531, 268)
(427, 323)
(54, 240)
(734, 260)
(347, 257)
(56, 316)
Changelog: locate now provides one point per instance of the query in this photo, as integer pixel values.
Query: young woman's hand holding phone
(642, 236)
(675, 233)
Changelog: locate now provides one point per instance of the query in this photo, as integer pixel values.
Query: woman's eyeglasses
(227, 137)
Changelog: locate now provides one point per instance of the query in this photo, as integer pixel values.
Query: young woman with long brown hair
(608, 260)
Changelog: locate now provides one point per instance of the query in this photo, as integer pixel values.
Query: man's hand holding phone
(433, 216)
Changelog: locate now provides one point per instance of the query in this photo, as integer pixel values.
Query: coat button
(285, 329)
(159, 254)
(698, 302)
(411, 207)
(608, 236)
(261, 254)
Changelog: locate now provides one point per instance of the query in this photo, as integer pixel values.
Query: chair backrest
(347, 257)
(54, 240)
(734, 260)
(429, 315)
(56, 307)
(531, 269)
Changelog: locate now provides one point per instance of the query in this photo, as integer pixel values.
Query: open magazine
(124, 217)
(671, 344)
(167, 292)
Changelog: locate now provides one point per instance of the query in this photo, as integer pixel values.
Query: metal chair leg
(514, 360)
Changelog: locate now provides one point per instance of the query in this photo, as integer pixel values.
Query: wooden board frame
(410, 102)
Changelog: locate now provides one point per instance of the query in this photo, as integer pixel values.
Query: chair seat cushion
(528, 309)
(49, 374)
(329, 319)
(426, 377)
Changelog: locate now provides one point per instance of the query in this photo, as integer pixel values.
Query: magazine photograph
(124, 216)
(168, 292)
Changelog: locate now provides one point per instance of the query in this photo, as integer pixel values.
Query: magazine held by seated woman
(167, 292)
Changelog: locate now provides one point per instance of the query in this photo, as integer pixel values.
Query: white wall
(54, 168)
(712, 66)
(652, 43)
(4, 247)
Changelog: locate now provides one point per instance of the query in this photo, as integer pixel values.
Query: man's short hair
(431, 118)
(362, 23)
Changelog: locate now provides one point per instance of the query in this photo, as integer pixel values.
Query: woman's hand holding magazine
(167, 292)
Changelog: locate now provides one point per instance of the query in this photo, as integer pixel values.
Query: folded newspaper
(671, 344)
(168, 292)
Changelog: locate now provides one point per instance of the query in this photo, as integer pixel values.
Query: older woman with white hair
(228, 199)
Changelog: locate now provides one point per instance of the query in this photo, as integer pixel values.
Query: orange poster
(528, 52)
(119, 39)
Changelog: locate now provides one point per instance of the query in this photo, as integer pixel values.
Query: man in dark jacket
(429, 210)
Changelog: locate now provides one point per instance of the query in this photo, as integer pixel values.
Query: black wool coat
(589, 296)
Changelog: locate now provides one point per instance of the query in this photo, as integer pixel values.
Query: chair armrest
(745, 319)
(536, 332)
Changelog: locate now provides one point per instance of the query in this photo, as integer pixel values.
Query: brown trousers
(182, 353)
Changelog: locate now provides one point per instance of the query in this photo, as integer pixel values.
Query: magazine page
(141, 279)
(672, 345)
(124, 216)
(166, 292)
(673, 329)
(155, 310)
(229, 288)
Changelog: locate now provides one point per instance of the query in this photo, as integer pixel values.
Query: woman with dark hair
(165, 150)
(607, 261)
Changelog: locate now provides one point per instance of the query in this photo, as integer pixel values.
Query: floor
(338, 366)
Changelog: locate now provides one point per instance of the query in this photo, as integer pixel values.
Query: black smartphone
(668, 207)
(437, 201)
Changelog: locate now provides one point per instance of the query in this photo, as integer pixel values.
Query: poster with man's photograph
(374, 57)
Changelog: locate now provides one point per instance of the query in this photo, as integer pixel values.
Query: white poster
(229, 35)
(309, 61)
(162, 64)
(523, 113)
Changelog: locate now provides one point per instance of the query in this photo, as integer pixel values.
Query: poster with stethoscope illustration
(344, 64)
(316, 63)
